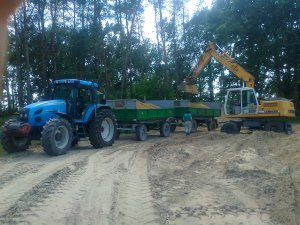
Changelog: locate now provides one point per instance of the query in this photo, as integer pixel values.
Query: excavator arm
(221, 56)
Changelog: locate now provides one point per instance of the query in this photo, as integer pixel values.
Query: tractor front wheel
(14, 144)
(103, 129)
(57, 137)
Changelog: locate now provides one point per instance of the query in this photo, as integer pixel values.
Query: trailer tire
(230, 128)
(212, 125)
(275, 126)
(165, 129)
(141, 132)
(57, 137)
(103, 129)
(194, 126)
(13, 144)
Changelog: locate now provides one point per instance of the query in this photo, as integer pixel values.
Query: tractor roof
(76, 81)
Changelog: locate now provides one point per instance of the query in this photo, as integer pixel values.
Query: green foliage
(152, 88)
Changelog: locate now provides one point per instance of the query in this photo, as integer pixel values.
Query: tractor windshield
(63, 92)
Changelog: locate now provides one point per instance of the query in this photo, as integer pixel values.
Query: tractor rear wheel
(165, 129)
(14, 144)
(103, 129)
(57, 137)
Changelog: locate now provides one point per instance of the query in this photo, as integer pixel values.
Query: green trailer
(201, 116)
(130, 115)
(130, 118)
(165, 118)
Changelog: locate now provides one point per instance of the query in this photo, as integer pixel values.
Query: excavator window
(234, 102)
(249, 103)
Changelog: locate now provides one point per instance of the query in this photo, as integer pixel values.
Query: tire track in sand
(295, 181)
(135, 203)
(40, 193)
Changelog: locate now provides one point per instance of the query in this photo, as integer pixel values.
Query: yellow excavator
(241, 104)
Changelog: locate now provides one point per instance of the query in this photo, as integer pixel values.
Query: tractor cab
(80, 97)
(240, 101)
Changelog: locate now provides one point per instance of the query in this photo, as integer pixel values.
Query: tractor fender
(98, 109)
(64, 116)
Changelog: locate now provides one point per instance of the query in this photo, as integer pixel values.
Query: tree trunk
(3, 43)
(53, 12)
(26, 49)
(9, 103)
(43, 43)
(18, 64)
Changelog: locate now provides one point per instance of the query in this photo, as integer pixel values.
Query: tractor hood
(37, 114)
(49, 105)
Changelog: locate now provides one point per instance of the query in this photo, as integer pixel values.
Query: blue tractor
(76, 110)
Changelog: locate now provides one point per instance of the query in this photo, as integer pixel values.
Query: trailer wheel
(230, 128)
(141, 132)
(212, 125)
(194, 126)
(57, 137)
(14, 144)
(165, 129)
(275, 126)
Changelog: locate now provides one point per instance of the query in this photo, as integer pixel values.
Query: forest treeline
(103, 41)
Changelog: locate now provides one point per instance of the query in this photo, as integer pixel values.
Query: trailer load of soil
(130, 104)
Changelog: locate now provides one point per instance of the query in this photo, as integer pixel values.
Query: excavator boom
(221, 56)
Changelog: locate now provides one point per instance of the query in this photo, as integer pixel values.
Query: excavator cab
(240, 101)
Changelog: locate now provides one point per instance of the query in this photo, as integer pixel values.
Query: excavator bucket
(189, 88)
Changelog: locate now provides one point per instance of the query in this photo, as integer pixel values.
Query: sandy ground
(204, 178)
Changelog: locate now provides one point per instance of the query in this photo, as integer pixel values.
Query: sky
(149, 25)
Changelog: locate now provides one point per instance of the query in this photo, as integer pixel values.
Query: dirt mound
(215, 178)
